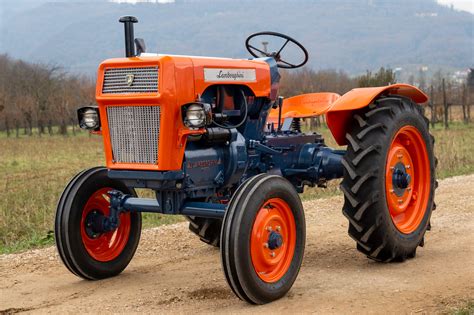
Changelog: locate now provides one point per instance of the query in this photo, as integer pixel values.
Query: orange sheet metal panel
(181, 80)
(253, 73)
(340, 113)
(304, 105)
(175, 88)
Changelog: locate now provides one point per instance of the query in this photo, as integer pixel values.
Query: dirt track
(174, 272)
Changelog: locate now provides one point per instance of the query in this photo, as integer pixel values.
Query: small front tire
(263, 239)
(86, 253)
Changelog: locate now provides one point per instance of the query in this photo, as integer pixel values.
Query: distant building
(462, 76)
(426, 14)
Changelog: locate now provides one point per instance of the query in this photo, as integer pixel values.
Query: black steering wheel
(256, 52)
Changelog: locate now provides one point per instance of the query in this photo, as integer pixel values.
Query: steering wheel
(254, 51)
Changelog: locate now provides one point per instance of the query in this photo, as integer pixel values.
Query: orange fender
(340, 113)
(304, 105)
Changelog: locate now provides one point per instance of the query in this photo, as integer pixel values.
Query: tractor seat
(304, 105)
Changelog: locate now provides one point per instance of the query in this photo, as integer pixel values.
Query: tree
(35, 95)
(380, 78)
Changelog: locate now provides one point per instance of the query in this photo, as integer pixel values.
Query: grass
(34, 171)
(454, 149)
(468, 309)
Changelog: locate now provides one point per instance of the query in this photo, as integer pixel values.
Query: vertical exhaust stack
(129, 36)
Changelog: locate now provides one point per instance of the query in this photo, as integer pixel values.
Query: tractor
(216, 143)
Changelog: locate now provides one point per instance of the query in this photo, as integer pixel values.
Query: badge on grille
(130, 78)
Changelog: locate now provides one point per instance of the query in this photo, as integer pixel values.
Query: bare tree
(35, 95)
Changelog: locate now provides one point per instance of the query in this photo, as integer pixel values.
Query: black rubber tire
(67, 227)
(235, 238)
(363, 185)
(208, 230)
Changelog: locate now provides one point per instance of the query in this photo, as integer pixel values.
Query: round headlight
(195, 116)
(90, 119)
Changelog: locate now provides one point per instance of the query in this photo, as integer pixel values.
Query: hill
(351, 35)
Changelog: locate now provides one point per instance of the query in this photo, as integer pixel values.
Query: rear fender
(340, 113)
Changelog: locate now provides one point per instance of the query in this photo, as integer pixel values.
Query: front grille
(130, 80)
(134, 133)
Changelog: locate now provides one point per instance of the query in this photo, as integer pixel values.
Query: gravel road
(174, 272)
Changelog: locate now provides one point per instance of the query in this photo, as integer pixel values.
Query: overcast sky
(466, 5)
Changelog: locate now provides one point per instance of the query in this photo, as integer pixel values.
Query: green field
(34, 170)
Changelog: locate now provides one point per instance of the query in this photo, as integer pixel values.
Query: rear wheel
(86, 250)
(389, 179)
(262, 239)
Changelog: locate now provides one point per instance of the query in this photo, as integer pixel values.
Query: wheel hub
(94, 224)
(400, 179)
(407, 179)
(275, 240)
(101, 242)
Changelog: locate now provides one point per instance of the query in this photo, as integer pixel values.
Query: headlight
(89, 118)
(197, 115)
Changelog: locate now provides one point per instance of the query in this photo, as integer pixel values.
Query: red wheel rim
(106, 246)
(408, 156)
(269, 263)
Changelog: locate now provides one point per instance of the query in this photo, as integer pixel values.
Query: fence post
(468, 101)
(463, 103)
(433, 107)
(445, 104)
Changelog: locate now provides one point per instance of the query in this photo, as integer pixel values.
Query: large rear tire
(263, 239)
(389, 179)
(85, 252)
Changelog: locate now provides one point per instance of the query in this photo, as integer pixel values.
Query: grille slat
(145, 80)
(134, 133)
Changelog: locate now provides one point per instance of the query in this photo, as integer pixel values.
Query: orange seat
(304, 105)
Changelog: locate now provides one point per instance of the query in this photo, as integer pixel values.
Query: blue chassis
(217, 169)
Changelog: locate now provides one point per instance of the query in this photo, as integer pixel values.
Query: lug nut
(269, 228)
(265, 245)
(392, 168)
(399, 156)
(400, 201)
(407, 166)
(272, 254)
(278, 228)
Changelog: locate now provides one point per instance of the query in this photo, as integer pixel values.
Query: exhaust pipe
(129, 36)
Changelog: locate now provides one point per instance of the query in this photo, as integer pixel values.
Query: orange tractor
(217, 144)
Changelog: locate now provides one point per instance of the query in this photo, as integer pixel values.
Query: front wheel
(87, 251)
(263, 239)
(389, 179)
